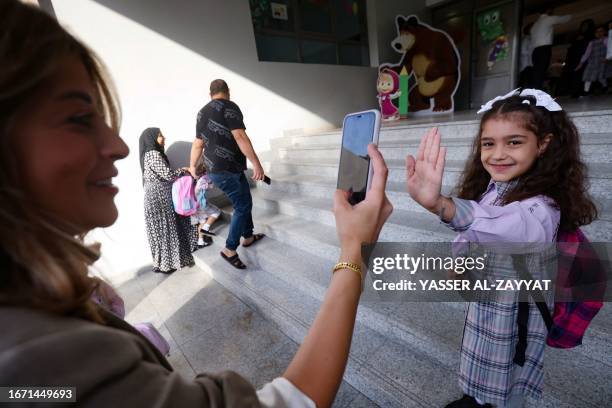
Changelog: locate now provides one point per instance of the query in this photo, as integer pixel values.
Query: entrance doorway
(570, 41)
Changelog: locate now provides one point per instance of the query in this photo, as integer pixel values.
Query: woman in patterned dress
(170, 235)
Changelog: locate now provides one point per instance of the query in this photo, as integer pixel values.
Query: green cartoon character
(490, 25)
(492, 29)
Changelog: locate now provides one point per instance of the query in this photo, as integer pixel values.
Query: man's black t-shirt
(214, 126)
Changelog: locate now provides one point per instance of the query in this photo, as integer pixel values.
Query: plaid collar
(502, 188)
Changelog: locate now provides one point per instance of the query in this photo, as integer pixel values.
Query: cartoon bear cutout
(431, 56)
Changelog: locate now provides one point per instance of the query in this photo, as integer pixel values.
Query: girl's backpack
(578, 268)
(183, 196)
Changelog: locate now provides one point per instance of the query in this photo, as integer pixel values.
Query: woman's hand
(362, 222)
(319, 364)
(425, 173)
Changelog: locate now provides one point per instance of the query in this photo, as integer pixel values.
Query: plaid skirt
(487, 370)
(490, 335)
(597, 66)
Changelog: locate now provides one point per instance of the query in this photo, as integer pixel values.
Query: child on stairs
(523, 182)
(208, 213)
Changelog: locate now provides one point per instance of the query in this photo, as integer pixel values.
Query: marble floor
(209, 329)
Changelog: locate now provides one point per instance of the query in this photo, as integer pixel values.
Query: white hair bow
(542, 99)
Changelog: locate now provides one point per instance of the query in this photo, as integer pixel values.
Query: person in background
(220, 127)
(526, 66)
(595, 59)
(207, 213)
(609, 57)
(571, 79)
(171, 238)
(541, 42)
(59, 141)
(609, 51)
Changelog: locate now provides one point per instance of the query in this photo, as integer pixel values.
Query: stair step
(412, 141)
(293, 311)
(600, 182)
(403, 352)
(595, 122)
(321, 241)
(324, 187)
(426, 334)
(410, 321)
(598, 172)
(402, 226)
(590, 152)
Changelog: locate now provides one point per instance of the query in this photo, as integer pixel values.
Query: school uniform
(488, 370)
(597, 68)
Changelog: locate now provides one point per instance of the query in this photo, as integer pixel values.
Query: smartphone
(355, 170)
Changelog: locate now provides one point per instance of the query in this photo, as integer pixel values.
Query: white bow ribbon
(542, 99)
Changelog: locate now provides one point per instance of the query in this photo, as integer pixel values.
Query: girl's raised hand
(424, 174)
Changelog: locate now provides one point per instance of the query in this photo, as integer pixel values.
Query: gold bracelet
(353, 267)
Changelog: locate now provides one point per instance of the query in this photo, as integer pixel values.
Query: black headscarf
(148, 142)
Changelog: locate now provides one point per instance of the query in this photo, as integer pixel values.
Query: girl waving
(522, 183)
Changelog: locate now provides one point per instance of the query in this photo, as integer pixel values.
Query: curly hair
(41, 265)
(559, 173)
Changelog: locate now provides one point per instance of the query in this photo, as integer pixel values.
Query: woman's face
(507, 149)
(161, 139)
(67, 152)
(600, 32)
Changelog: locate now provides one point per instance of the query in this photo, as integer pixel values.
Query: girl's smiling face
(508, 149)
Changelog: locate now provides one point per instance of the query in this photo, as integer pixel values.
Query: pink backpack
(578, 268)
(183, 196)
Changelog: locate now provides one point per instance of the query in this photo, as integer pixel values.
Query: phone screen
(357, 133)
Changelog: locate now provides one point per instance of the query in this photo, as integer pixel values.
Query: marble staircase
(404, 354)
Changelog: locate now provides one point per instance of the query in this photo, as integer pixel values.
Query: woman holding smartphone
(58, 144)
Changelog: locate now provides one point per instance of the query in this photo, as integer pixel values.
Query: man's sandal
(233, 260)
(256, 237)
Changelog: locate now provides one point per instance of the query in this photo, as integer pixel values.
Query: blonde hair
(41, 266)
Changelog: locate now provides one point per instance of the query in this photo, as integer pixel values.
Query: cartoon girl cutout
(388, 89)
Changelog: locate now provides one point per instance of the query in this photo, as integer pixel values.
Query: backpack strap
(522, 319)
(519, 265)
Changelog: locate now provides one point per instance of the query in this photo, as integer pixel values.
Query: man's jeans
(236, 187)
